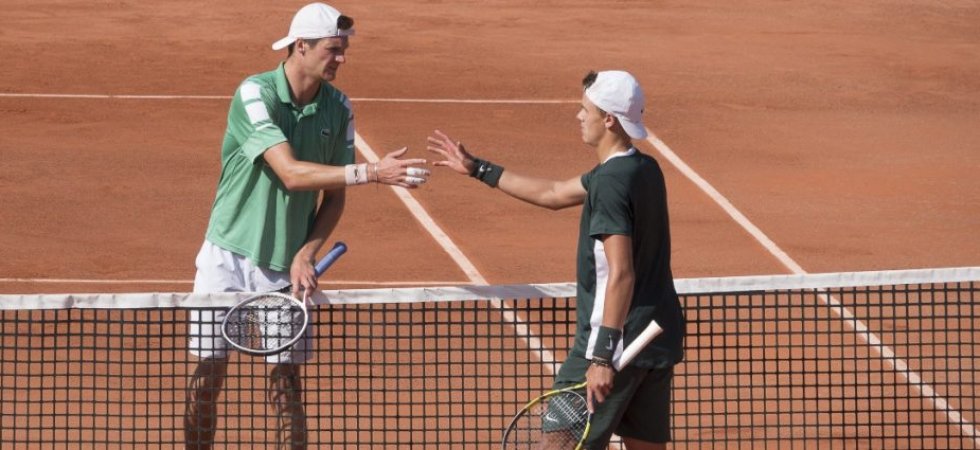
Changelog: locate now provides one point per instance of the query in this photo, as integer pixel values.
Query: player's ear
(609, 121)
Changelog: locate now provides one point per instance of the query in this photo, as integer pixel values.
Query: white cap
(313, 21)
(617, 93)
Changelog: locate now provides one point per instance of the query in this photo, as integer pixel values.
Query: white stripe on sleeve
(257, 112)
(250, 91)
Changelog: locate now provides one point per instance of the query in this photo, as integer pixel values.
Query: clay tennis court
(845, 135)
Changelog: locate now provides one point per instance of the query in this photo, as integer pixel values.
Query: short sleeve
(254, 121)
(610, 207)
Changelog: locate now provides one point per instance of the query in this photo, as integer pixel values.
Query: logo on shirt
(325, 133)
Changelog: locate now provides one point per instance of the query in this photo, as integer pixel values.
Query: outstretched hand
(400, 172)
(456, 156)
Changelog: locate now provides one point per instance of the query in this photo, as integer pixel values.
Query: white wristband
(355, 174)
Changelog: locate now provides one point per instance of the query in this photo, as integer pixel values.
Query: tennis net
(848, 360)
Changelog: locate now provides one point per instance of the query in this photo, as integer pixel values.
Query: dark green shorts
(638, 406)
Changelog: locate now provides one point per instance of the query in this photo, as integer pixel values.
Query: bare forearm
(536, 191)
(331, 209)
(299, 175)
(306, 176)
(619, 295)
(618, 249)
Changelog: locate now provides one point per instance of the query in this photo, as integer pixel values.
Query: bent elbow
(289, 183)
(621, 277)
(555, 202)
(559, 204)
(292, 182)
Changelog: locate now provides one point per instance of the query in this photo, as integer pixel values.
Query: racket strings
(564, 421)
(556, 424)
(264, 323)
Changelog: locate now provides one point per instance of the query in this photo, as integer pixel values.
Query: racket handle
(638, 344)
(331, 257)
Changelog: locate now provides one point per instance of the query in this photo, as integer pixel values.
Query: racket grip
(331, 257)
(638, 344)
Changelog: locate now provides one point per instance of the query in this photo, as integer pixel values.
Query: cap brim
(283, 43)
(635, 130)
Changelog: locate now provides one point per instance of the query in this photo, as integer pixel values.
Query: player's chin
(329, 74)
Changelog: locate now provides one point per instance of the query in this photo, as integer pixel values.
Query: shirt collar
(628, 152)
(282, 85)
(286, 96)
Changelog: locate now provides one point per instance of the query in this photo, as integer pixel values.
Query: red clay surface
(849, 139)
(846, 132)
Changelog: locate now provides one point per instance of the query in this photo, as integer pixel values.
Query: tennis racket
(560, 419)
(270, 323)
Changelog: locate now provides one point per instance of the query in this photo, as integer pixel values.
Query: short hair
(344, 23)
(587, 83)
(589, 79)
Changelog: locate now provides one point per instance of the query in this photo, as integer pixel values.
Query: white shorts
(219, 270)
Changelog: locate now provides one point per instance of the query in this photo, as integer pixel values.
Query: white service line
(901, 367)
(725, 204)
(470, 101)
(860, 329)
(444, 241)
(138, 281)
(354, 99)
(425, 219)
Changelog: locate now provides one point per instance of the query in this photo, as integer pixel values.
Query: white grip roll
(638, 344)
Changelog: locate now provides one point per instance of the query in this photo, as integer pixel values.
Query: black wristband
(477, 162)
(487, 172)
(491, 174)
(606, 342)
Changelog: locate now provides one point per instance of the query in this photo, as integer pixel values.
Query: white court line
(860, 329)
(115, 96)
(725, 204)
(137, 281)
(522, 328)
(475, 101)
(355, 99)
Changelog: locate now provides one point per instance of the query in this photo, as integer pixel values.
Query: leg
(200, 409)
(646, 424)
(636, 444)
(286, 394)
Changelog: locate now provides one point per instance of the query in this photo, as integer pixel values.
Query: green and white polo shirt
(627, 196)
(254, 215)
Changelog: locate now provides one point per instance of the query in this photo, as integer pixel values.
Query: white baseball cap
(617, 93)
(313, 21)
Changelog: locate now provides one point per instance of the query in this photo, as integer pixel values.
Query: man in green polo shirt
(286, 159)
(624, 276)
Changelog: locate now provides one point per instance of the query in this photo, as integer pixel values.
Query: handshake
(411, 172)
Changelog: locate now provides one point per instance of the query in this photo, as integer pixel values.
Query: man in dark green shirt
(623, 264)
